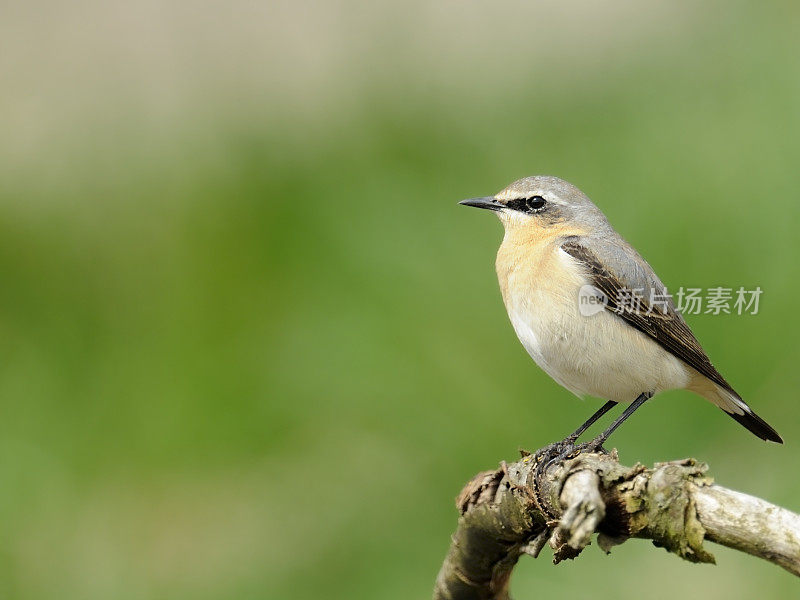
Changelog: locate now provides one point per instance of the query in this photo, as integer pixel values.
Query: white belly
(599, 355)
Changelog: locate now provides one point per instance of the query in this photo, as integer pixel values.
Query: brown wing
(666, 327)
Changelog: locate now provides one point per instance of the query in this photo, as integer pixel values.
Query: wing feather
(662, 323)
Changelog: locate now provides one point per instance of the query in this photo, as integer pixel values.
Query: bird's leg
(567, 448)
(560, 450)
(597, 443)
(590, 421)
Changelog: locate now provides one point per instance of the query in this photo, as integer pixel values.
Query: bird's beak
(487, 202)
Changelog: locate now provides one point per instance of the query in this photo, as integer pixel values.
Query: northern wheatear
(558, 247)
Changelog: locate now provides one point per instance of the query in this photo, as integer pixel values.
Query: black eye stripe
(527, 205)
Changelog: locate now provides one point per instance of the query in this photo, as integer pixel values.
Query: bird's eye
(535, 203)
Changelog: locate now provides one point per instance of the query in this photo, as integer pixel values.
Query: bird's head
(541, 202)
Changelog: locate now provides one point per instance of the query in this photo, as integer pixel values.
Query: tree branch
(505, 514)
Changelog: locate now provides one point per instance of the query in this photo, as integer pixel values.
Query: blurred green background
(253, 349)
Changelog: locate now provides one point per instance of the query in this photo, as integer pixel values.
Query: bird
(568, 279)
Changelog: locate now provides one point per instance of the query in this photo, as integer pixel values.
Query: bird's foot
(592, 446)
(542, 459)
(556, 453)
(565, 449)
(552, 453)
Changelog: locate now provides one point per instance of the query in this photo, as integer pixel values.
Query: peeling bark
(505, 514)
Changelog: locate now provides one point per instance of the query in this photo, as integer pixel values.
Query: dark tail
(757, 425)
